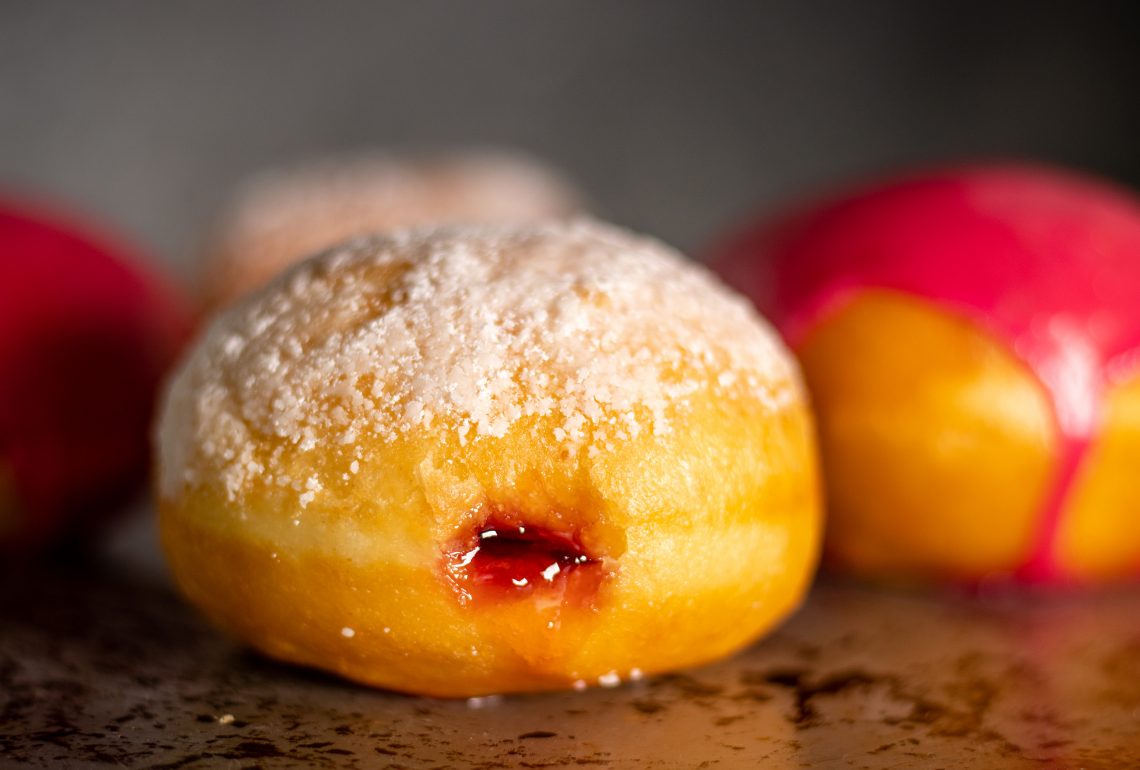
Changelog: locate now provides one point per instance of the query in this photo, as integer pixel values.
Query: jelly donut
(970, 338)
(282, 216)
(467, 461)
(86, 333)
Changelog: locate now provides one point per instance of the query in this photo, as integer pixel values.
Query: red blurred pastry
(970, 339)
(85, 334)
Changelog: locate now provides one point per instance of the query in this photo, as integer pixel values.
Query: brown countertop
(105, 666)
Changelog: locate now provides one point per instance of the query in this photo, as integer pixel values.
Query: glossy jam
(1044, 260)
(504, 560)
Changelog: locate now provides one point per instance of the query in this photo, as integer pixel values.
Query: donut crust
(642, 409)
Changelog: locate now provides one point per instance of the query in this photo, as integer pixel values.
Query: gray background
(677, 117)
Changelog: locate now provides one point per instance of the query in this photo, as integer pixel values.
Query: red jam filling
(504, 560)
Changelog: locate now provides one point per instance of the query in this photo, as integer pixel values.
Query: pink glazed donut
(970, 338)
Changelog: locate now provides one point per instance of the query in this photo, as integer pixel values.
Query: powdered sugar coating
(281, 216)
(466, 331)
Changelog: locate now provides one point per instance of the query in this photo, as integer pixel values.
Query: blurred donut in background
(86, 332)
(283, 215)
(971, 340)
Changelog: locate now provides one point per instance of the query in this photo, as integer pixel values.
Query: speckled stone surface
(104, 666)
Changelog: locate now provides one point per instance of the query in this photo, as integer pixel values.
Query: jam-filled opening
(502, 559)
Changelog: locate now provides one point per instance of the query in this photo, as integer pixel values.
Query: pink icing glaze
(1047, 260)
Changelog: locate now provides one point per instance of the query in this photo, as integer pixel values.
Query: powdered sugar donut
(282, 216)
(479, 460)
